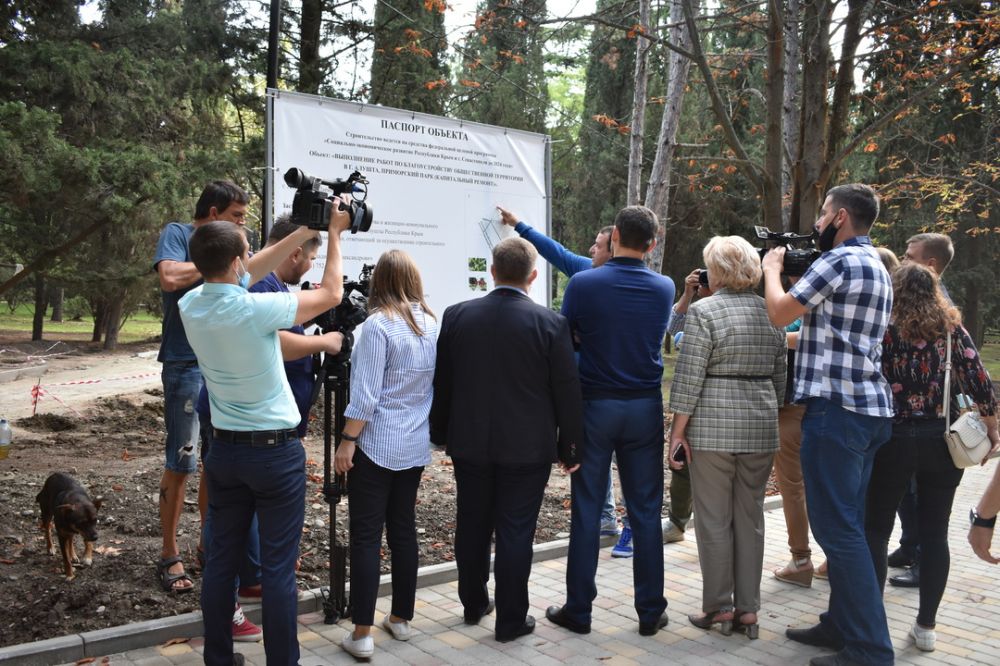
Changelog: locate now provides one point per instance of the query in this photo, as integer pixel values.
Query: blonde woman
(728, 385)
(386, 443)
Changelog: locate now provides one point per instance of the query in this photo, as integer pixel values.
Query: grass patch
(138, 328)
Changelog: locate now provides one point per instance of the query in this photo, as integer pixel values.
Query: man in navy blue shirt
(618, 314)
(569, 264)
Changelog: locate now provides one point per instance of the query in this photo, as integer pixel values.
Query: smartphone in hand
(680, 456)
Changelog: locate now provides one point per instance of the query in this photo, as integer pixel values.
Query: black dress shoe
(526, 628)
(817, 636)
(900, 559)
(651, 628)
(833, 660)
(909, 578)
(557, 615)
(474, 618)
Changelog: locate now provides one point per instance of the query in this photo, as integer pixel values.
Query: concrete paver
(967, 631)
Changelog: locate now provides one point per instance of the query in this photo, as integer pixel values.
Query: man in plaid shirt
(845, 299)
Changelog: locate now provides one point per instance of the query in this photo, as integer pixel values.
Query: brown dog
(66, 502)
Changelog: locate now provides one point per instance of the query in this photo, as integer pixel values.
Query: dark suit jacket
(506, 388)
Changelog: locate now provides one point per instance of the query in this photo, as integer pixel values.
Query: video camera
(311, 206)
(797, 261)
(352, 309)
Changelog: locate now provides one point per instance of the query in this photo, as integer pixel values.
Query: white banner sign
(434, 186)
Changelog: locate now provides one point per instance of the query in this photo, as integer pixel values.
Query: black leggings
(378, 497)
(917, 447)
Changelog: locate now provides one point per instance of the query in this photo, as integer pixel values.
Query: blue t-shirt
(173, 246)
(299, 372)
(619, 313)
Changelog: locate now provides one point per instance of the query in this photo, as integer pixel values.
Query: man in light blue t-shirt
(256, 461)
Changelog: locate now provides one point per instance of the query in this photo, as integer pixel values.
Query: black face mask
(825, 239)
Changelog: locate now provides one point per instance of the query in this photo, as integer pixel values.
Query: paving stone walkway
(968, 621)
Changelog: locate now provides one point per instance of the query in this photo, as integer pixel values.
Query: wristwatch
(979, 521)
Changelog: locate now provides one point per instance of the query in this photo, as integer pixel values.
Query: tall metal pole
(272, 82)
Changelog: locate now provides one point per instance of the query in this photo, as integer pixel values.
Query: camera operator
(845, 299)
(297, 349)
(256, 461)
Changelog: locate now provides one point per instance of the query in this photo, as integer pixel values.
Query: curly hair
(919, 309)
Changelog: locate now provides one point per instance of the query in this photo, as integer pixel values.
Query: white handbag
(967, 439)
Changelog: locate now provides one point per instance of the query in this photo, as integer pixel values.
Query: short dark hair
(935, 246)
(513, 260)
(607, 230)
(214, 245)
(860, 201)
(637, 227)
(220, 194)
(284, 227)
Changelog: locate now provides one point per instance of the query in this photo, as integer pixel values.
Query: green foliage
(408, 69)
(503, 72)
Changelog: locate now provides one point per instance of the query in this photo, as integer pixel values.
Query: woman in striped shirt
(386, 443)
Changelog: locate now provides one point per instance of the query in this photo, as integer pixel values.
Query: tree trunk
(773, 150)
(792, 101)
(809, 190)
(639, 106)
(57, 296)
(100, 319)
(310, 71)
(41, 305)
(858, 11)
(658, 190)
(113, 320)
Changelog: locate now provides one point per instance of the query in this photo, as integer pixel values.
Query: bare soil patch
(115, 450)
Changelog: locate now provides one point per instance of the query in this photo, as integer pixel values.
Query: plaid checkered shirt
(839, 354)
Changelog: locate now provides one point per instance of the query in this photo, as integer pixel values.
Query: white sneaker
(362, 648)
(399, 630)
(924, 638)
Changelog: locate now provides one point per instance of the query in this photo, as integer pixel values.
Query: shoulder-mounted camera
(797, 260)
(313, 200)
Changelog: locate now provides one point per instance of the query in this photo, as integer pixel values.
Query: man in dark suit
(507, 404)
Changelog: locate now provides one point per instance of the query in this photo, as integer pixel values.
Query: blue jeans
(243, 479)
(181, 385)
(838, 449)
(633, 431)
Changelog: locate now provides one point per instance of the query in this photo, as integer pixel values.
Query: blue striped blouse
(392, 375)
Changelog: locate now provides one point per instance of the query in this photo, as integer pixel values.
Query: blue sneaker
(624, 546)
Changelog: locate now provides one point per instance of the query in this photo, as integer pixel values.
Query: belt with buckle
(257, 438)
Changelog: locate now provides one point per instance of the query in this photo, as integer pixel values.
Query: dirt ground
(110, 440)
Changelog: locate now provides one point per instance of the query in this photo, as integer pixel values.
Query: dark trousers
(505, 500)
(909, 539)
(243, 479)
(382, 497)
(633, 431)
(917, 448)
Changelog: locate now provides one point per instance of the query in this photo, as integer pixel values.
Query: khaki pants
(788, 470)
(728, 494)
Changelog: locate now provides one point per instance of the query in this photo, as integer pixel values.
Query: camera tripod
(335, 378)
